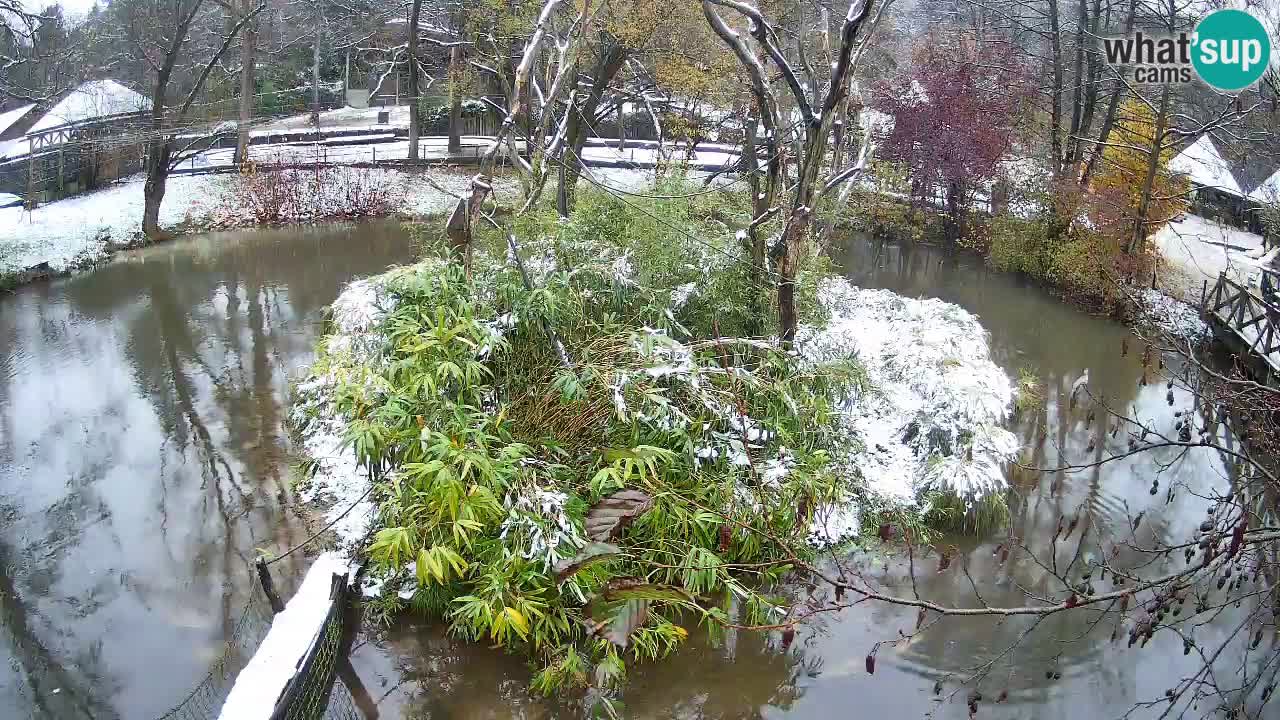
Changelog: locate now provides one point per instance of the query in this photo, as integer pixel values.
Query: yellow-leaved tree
(1122, 175)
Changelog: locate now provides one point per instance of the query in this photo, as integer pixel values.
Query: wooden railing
(1254, 320)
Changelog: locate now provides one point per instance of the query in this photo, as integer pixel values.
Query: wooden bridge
(1247, 323)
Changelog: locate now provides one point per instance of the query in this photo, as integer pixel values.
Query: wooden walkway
(1247, 323)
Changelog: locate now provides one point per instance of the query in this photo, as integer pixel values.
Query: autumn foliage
(953, 117)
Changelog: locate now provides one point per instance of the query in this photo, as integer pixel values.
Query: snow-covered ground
(1198, 250)
(84, 229)
(337, 480)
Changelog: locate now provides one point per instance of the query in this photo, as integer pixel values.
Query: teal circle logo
(1231, 49)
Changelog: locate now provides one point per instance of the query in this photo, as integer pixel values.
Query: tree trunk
(159, 151)
(1055, 99)
(580, 115)
(415, 116)
(248, 58)
(622, 126)
(455, 100)
(1153, 165)
(315, 69)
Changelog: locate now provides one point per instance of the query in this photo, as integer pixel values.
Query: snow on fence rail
(291, 676)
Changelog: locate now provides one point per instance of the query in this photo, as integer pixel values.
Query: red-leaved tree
(953, 118)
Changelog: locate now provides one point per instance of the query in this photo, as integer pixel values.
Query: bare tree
(181, 42)
(817, 116)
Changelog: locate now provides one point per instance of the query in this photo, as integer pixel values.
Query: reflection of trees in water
(51, 690)
(214, 376)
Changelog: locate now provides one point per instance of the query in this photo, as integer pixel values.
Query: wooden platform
(1248, 324)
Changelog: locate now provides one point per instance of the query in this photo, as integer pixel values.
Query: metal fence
(309, 694)
(205, 700)
(318, 691)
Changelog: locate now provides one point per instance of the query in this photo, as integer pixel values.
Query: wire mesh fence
(205, 700)
(316, 692)
(308, 693)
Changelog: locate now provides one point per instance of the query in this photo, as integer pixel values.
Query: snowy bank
(337, 480)
(77, 232)
(933, 419)
(1174, 317)
(1198, 250)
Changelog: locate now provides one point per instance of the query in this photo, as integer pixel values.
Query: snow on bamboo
(934, 417)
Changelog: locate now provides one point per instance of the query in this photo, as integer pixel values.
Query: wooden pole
(269, 586)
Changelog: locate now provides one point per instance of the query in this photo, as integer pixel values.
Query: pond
(143, 458)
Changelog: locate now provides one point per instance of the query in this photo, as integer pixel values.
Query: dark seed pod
(1057, 675)
(1155, 489)
(788, 637)
(1257, 638)
(871, 663)
(1048, 674)
(937, 688)
(1168, 693)
(726, 537)
(1186, 647)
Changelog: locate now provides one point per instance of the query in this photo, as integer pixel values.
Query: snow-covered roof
(13, 116)
(1269, 190)
(1203, 164)
(96, 99)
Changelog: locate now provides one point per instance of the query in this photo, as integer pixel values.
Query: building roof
(1204, 165)
(91, 101)
(12, 116)
(1268, 191)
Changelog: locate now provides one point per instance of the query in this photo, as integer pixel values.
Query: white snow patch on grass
(293, 631)
(79, 231)
(70, 233)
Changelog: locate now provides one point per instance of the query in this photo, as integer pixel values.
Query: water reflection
(143, 458)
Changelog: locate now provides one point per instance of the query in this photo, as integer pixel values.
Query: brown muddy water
(143, 458)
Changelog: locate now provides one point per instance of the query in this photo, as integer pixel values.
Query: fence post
(269, 586)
